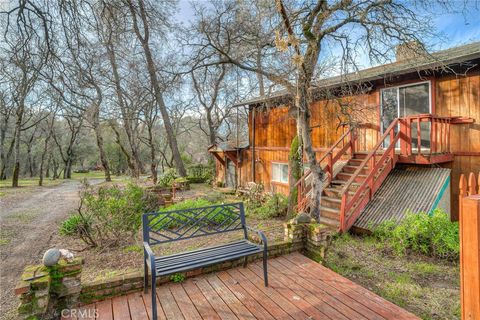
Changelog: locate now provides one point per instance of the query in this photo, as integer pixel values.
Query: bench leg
(145, 277)
(154, 297)
(265, 271)
(245, 261)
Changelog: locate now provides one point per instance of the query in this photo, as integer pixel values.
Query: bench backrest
(163, 227)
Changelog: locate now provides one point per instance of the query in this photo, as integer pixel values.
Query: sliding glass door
(407, 100)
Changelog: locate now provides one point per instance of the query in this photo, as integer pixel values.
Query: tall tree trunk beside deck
(152, 71)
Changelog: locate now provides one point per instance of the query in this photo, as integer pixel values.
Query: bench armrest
(260, 234)
(149, 255)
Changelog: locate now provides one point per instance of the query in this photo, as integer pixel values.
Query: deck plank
(346, 303)
(147, 301)
(169, 305)
(199, 300)
(281, 302)
(217, 303)
(120, 308)
(314, 295)
(287, 293)
(104, 310)
(255, 307)
(356, 292)
(184, 303)
(229, 298)
(137, 306)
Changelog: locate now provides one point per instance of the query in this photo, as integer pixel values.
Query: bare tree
(297, 48)
(139, 15)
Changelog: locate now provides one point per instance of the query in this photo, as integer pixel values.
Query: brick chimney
(410, 50)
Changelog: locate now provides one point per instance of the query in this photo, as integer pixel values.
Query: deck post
(470, 257)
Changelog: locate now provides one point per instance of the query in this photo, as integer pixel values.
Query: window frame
(430, 100)
(288, 170)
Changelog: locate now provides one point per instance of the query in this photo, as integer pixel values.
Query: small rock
(51, 257)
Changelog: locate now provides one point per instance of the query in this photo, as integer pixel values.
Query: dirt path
(28, 220)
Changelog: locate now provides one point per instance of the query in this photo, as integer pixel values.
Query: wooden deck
(299, 289)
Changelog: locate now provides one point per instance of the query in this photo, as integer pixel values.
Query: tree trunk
(303, 123)
(103, 157)
(18, 135)
(172, 139)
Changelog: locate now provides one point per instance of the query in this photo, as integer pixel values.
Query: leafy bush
(200, 173)
(433, 235)
(75, 224)
(108, 216)
(177, 277)
(272, 206)
(167, 178)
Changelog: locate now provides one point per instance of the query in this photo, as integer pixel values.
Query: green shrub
(272, 206)
(433, 235)
(108, 216)
(200, 173)
(177, 277)
(75, 224)
(167, 178)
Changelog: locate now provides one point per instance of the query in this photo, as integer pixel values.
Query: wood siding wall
(275, 129)
(461, 97)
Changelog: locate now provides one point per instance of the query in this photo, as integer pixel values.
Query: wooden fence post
(470, 248)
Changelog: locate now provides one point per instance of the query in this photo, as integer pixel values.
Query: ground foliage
(108, 216)
(430, 234)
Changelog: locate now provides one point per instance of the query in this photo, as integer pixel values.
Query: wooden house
(420, 112)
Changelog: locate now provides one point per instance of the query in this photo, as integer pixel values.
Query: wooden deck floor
(299, 289)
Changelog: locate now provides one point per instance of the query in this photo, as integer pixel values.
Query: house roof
(434, 61)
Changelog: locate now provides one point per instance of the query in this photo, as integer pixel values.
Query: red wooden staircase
(347, 190)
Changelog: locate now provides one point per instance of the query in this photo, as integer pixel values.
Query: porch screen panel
(416, 100)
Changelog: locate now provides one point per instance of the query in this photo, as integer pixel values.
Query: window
(405, 101)
(280, 172)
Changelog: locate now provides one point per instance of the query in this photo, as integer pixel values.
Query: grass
(30, 182)
(425, 286)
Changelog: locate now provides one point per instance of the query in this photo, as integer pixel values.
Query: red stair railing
(347, 141)
(352, 205)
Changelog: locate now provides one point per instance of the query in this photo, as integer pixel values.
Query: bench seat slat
(205, 258)
(202, 259)
(193, 254)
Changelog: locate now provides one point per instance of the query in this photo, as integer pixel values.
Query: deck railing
(425, 134)
(345, 143)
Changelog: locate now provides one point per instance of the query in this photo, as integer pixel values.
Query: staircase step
(329, 212)
(353, 168)
(346, 176)
(331, 202)
(335, 192)
(340, 183)
(354, 162)
(334, 223)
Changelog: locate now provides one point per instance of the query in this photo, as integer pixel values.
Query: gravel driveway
(28, 220)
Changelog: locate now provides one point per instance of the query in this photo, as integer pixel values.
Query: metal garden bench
(165, 227)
